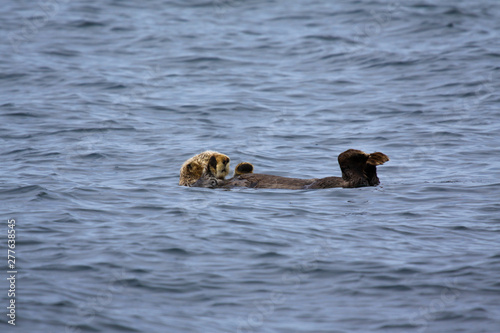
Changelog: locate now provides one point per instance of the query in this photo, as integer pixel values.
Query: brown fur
(243, 168)
(358, 169)
(377, 158)
(193, 168)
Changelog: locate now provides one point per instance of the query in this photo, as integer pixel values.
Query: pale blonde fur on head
(193, 168)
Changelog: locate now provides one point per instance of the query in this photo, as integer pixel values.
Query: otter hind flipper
(359, 168)
(370, 171)
(377, 158)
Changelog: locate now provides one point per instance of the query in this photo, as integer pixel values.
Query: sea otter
(358, 169)
(193, 168)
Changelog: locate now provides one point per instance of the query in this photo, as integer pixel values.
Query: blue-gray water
(102, 101)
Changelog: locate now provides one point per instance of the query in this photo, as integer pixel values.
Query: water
(102, 101)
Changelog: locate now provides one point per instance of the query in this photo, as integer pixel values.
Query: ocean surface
(102, 101)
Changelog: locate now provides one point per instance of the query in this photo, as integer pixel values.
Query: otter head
(192, 169)
(359, 168)
(209, 176)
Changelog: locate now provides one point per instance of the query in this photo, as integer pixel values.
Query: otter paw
(243, 168)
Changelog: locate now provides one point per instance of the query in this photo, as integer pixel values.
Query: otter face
(207, 181)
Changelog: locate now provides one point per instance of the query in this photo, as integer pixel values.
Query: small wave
(92, 156)
(24, 114)
(62, 53)
(176, 251)
(24, 189)
(328, 38)
(268, 255)
(12, 76)
(64, 268)
(86, 24)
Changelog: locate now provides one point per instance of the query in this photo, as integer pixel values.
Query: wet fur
(358, 169)
(243, 168)
(194, 167)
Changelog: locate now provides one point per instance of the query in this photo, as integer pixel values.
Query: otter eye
(213, 183)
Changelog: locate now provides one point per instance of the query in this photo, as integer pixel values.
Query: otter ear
(242, 168)
(211, 169)
(377, 158)
(189, 166)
